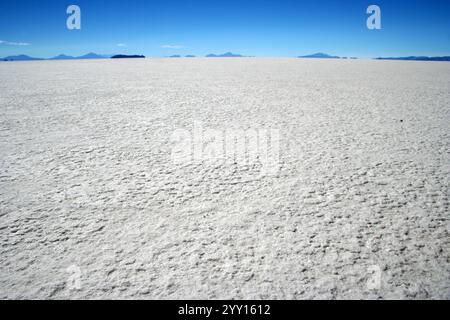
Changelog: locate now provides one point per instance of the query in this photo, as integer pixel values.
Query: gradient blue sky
(249, 27)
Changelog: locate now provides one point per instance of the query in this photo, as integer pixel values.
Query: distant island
(320, 55)
(123, 56)
(414, 58)
(225, 55)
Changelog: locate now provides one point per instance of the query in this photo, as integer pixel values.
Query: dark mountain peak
(62, 57)
(21, 57)
(320, 55)
(225, 55)
(123, 56)
(91, 55)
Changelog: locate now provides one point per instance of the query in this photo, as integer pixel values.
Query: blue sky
(249, 27)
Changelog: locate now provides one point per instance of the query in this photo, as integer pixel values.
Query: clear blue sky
(249, 27)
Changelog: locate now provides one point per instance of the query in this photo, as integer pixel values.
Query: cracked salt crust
(359, 208)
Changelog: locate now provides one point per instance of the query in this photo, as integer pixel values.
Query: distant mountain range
(225, 55)
(23, 57)
(320, 55)
(97, 56)
(411, 58)
(92, 55)
(62, 57)
(414, 58)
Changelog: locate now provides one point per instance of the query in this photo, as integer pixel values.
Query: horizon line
(108, 56)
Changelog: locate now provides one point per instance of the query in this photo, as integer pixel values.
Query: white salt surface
(92, 205)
